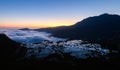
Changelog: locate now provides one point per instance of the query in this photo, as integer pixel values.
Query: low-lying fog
(28, 36)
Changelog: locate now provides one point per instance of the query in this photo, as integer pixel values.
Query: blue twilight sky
(49, 13)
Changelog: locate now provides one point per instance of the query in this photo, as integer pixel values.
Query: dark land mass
(12, 56)
(9, 49)
(103, 29)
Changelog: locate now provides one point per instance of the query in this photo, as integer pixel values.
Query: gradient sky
(50, 13)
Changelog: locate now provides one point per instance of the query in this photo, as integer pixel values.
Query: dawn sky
(50, 13)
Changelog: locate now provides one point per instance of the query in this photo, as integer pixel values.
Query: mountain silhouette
(25, 29)
(103, 29)
(10, 50)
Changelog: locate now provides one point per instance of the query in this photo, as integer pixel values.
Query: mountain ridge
(10, 50)
(103, 29)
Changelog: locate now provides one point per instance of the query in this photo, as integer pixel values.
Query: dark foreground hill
(103, 29)
(10, 50)
(12, 53)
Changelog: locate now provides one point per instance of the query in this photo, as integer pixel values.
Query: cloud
(28, 36)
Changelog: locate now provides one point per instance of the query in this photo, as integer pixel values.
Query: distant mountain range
(103, 29)
(25, 29)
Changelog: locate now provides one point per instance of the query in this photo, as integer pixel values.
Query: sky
(52, 13)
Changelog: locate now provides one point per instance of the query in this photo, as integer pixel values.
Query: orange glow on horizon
(36, 23)
(33, 25)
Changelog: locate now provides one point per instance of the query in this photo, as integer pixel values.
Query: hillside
(103, 29)
(10, 50)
